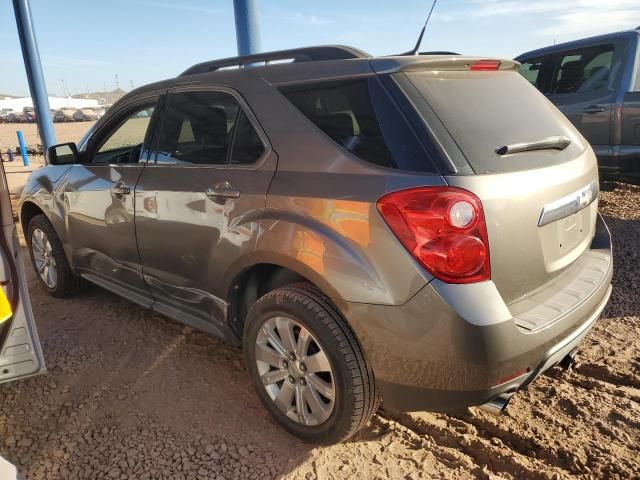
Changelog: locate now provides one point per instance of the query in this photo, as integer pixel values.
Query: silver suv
(417, 229)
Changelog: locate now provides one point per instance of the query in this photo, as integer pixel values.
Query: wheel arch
(261, 278)
(28, 210)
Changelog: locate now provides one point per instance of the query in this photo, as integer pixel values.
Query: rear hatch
(526, 159)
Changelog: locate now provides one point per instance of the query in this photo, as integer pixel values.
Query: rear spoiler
(443, 63)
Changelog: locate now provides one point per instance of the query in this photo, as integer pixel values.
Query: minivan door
(584, 89)
(199, 201)
(99, 197)
(20, 352)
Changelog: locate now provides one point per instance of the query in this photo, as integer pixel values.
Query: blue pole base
(23, 149)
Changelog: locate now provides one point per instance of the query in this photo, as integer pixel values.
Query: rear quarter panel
(321, 219)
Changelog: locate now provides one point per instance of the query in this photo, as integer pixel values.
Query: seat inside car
(209, 127)
(571, 77)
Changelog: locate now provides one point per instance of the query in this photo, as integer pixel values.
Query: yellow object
(5, 307)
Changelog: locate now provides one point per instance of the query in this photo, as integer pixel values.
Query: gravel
(131, 395)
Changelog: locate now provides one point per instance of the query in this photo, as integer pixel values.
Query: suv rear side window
(203, 128)
(585, 70)
(361, 117)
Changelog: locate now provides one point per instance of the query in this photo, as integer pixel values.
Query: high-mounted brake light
(485, 66)
(443, 228)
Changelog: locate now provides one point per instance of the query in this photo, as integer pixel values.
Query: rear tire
(320, 404)
(47, 256)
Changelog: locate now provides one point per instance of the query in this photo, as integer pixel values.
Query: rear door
(20, 353)
(584, 88)
(582, 82)
(199, 200)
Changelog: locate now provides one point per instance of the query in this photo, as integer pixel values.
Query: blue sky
(88, 42)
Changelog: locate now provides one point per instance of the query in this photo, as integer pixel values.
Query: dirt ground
(65, 132)
(132, 395)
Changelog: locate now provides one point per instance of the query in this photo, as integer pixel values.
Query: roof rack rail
(306, 54)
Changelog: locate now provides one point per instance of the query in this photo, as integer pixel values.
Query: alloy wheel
(295, 371)
(44, 259)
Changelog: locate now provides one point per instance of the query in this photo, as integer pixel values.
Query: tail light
(443, 228)
(485, 66)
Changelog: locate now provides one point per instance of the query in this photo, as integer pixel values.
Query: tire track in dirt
(491, 452)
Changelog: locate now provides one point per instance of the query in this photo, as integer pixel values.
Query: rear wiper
(549, 143)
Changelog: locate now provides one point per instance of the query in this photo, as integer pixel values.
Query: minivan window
(128, 135)
(585, 70)
(361, 117)
(197, 128)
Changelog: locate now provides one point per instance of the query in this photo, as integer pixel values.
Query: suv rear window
(484, 111)
(360, 116)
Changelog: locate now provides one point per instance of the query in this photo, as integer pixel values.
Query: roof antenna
(416, 49)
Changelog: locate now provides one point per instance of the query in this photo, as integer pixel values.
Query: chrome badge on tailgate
(569, 204)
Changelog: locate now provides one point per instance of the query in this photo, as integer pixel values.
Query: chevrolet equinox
(420, 230)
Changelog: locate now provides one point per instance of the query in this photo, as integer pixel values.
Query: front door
(99, 197)
(584, 89)
(198, 202)
(20, 353)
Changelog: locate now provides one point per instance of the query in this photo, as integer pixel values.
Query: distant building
(55, 103)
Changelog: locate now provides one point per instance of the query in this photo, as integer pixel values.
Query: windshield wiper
(549, 143)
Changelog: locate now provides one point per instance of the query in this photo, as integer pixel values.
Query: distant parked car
(30, 113)
(64, 115)
(4, 114)
(595, 82)
(19, 117)
(85, 115)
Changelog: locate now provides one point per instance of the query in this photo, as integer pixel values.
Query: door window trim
(242, 103)
(115, 118)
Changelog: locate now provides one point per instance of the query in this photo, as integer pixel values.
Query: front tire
(307, 366)
(49, 261)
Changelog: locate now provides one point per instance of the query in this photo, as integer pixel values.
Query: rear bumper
(455, 346)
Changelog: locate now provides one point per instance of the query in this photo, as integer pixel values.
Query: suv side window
(207, 128)
(586, 70)
(124, 144)
(360, 116)
(247, 147)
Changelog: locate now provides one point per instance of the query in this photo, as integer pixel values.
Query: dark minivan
(595, 82)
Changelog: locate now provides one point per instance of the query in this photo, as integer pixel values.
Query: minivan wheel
(49, 260)
(306, 365)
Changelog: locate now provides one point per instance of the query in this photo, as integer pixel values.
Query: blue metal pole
(37, 87)
(247, 32)
(23, 149)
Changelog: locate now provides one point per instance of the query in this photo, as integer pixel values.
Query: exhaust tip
(498, 405)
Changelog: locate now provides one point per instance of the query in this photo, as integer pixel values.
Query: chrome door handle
(594, 109)
(120, 188)
(222, 190)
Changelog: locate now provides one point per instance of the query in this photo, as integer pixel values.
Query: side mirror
(63, 154)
